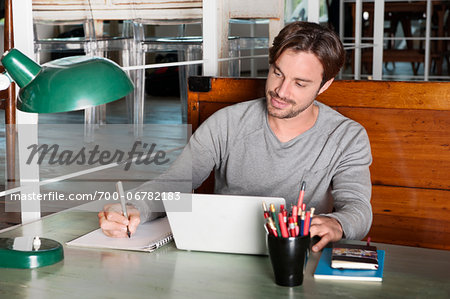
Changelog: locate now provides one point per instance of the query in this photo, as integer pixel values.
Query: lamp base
(29, 252)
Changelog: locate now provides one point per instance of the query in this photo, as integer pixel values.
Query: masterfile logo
(140, 153)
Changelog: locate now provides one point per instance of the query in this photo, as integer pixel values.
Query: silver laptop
(222, 223)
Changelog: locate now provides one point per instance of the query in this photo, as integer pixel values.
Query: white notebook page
(148, 237)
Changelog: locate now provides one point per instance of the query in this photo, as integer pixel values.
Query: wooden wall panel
(411, 216)
(388, 94)
(233, 90)
(410, 147)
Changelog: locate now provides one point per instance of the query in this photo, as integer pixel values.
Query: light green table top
(171, 273)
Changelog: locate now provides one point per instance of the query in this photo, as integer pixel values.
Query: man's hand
(114, 224)
(327, 228)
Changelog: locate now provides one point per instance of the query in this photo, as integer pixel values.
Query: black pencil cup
(288, 256)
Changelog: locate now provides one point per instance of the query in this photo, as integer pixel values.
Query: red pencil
(301, 195)
(283, 227)
(295, 216)
(272, 227)
(266, 212)
(294, 212)
(292, 232)
(307, 222)
(285, 217)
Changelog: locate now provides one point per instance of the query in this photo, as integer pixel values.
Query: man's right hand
(114, 224)
(327, 228)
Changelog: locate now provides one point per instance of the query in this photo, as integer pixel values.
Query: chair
(187, 48)
(224, 11)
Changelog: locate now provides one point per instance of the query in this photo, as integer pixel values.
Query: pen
(119, 189)
(302, 223)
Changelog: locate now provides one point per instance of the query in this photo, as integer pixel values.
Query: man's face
(293, 83)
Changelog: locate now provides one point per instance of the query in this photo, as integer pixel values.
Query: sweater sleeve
(351, 186)
(188, 171)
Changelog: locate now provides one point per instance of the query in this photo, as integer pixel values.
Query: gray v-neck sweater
(332, 157)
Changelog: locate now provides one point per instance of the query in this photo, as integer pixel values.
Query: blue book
(324, 270)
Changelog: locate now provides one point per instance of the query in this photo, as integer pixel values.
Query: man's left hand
(327, 228)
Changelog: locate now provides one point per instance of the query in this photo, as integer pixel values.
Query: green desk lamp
(66, 84)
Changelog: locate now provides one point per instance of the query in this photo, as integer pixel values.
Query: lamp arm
(5, 81)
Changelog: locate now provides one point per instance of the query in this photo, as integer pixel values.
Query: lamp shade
(66, 84)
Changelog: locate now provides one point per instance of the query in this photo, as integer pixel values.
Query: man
(268, 146)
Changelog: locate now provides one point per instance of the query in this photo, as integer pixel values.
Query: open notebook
(148, 237)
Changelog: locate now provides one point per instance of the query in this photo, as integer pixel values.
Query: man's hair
(312, 38)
